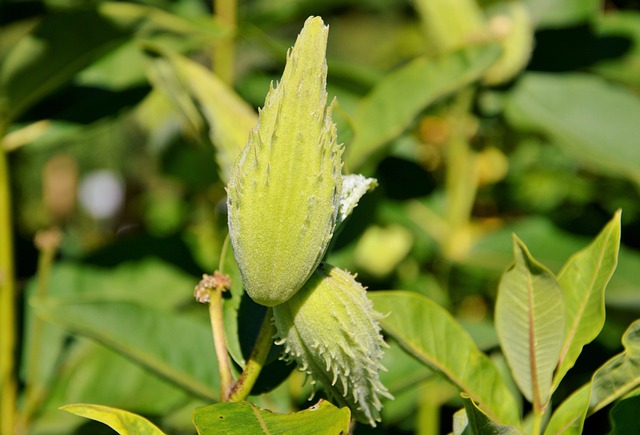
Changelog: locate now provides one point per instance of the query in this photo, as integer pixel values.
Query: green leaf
(624, 416)
(620, 375)
(433, 336)
(550, 13)
(583, 281)
(173, 345)
(478, 423)
(568, 419)
(51, 55)
(589, 117)
(123, 422)
(242, 418)
(396, 101)
(198, 92)
(530, 324)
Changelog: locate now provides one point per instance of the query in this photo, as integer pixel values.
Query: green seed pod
(284, 191)
(331, 330)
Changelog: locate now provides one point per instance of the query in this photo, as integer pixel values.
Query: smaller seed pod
(331, 330)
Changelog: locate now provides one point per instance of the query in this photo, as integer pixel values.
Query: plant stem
(252, 370)
(8, 384)
(47, 242)
(461, 178)
(224, 52)
(220, 343)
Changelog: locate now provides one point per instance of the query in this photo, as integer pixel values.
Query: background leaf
(432, 335)
(123, 422)
(394, 103)
(530, 324)
(583, 281)
(244, 418)
(624, 416)
(478, 423)
(571, 109)
(142, 333)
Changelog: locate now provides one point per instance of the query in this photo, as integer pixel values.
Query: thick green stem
(8, 385)
(252, 370)
(220, 343)
(224, 52)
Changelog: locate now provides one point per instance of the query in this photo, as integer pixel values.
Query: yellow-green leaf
(583, 280)
(123, 422)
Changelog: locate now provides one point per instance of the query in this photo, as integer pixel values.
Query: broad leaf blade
(175, 346)
(583, 281)
(568, 419)
(590, 118)
(432, 335)
(123, 422)
(244, 418)
(396, 101)
(530, 324)
(620, 375)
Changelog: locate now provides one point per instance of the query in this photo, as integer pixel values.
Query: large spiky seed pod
(331, 330)
(284, 191)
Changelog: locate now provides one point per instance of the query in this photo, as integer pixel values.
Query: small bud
(209, 283)
(331, 330)
(284, 191)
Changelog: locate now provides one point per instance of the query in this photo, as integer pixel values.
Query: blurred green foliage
(548, 150)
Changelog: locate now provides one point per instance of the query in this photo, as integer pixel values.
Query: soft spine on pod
(284, 191)
(331, 330)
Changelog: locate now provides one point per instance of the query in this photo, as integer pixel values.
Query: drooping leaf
(432, 335)
(478, 423)
(620, 375)
(123, 422)
(195, 90)
(173, 345)
(530, 324)
(568, 419)
(589, 117)
(624, 416)
(244, 418)
(396, 101)
(583, 281)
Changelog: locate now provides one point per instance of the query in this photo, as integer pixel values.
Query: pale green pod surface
(284, 191)
(331, 330)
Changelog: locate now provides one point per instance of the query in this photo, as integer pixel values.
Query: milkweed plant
(287, 197)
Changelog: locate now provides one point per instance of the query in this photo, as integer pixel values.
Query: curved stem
(220, 343)
(252, 370)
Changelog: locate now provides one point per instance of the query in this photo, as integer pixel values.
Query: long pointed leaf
(229, 119)
(620, 375)
(583, 280)
(123, 422)
(530, 324)
(429, 333)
